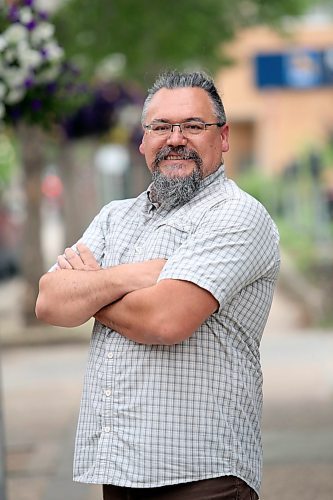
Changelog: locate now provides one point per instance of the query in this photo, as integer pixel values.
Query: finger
(63, 263)
(74, 259)
(87, 256)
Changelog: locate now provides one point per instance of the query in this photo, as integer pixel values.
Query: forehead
(180, 104)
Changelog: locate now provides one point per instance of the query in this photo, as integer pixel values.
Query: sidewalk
(298, 407)
(42, 384)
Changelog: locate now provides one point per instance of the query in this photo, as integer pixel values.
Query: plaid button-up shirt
(153, 415)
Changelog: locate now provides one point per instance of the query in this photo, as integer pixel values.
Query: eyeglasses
(188, 128)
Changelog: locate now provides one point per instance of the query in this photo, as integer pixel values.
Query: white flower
(30, 58)
(15, 77)
(3, 43)
(14, 96)
(10, 55)
(15, 33)
(111, 67)
(3, 89)
(25, 15)
(54, 53)
(22, 46)
(44, 31)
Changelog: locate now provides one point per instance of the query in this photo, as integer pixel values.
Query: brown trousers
(222, 488)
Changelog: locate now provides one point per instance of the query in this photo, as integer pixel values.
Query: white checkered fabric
(155, 415)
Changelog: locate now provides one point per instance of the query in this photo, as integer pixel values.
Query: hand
(149, 271)
(84, 260)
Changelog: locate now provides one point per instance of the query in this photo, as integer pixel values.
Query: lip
(176, 165)
(172, 158)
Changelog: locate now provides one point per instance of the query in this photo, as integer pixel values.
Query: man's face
(175, 155)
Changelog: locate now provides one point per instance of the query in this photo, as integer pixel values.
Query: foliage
(105, 107)
(301, 203)
(298, 244)
(263, 188)
(157, 35)
(274, 194)
(37, 84)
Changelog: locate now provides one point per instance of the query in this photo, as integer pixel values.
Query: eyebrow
(191, 119)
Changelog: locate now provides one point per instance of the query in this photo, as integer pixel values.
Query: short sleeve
(94, 235)
(235, 244)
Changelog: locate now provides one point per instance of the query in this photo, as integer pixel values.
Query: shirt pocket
(166, 238)
(120, 243)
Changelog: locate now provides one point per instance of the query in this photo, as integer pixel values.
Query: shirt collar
(206, 181)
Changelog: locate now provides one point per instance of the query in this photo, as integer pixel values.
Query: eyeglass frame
(148, 127)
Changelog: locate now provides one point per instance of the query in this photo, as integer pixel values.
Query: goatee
(172, 191)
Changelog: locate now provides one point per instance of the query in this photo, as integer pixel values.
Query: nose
(176, 137)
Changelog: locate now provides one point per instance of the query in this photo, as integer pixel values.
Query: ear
(225, 138)
(142, 146)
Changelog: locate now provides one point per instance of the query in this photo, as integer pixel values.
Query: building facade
(278, 95)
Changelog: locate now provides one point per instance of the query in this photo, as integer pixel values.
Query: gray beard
(174, 191)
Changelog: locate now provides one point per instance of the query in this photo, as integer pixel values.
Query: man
(180, 281)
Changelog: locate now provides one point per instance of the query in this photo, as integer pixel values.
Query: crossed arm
(126, 298)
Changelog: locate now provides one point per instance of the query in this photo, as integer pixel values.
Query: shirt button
(107, 428)
(138, 249)
(110, 355)
(107, 392)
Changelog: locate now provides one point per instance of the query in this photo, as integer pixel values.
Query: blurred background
(73, 77)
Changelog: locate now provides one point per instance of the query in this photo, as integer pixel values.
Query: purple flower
(36, 105)
(44, 53)
(43, 15)
(28, 83)
(13, 14)
(29, 3)
(51, 87)
(31, 25)
(15, 113)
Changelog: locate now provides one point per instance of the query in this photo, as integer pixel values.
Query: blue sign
(299, 69)
(302, 69)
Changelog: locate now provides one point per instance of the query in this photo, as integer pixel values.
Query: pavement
(42, 372)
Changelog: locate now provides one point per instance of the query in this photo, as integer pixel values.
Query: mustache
(183, 152)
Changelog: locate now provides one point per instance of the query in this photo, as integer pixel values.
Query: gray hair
(175, 80)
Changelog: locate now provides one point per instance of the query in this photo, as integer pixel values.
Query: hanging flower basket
(37, 84)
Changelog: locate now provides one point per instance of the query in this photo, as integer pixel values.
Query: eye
(160, 127)
(193, 126)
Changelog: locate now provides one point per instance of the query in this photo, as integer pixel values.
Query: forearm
(133, 317)
(71, 297)
(166, 313)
